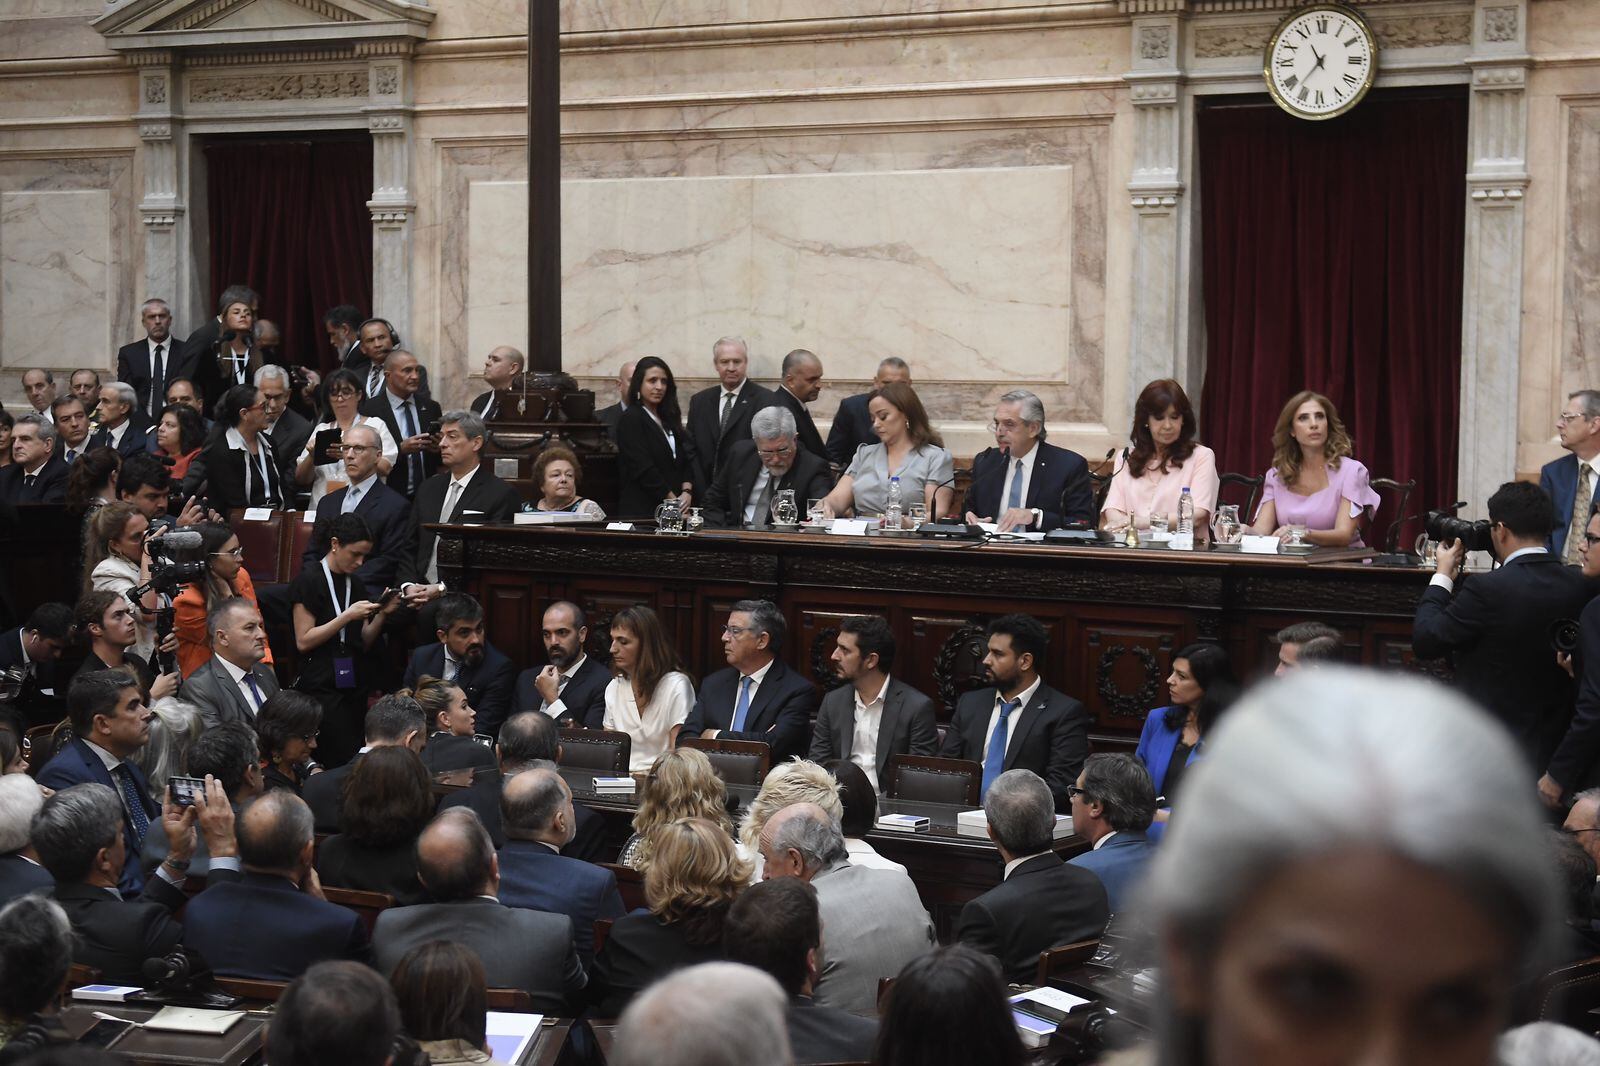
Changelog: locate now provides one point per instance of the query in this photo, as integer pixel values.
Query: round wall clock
(1321, 61)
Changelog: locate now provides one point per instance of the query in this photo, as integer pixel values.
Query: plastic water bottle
(892, 509)
(1186, 512)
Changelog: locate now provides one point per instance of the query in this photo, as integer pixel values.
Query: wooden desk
(239, 1046)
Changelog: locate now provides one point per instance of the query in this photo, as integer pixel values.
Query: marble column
(1497, 175)
(162, 208)
(393, 204)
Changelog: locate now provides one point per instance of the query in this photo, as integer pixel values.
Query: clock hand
(1320, 58)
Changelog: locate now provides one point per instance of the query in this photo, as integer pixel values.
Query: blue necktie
(1014, 497)
(994, 760)
(135, 804)
(742, 710)
(255, 693)
(414, 460)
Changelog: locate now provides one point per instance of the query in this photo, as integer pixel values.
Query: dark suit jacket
(446, 751)
(589, 843)
(1498, 629)
(1054, 741)
(212, 690)
(533, 876)
(133, 367)
(493, 499)
(906, 727)
(1059, 486)
(583, 700)
(363, 366)
(780, 711)
(729, 494)
(852, 427)
(225, 924)
(639, 950)
(425, 412)
(1576, 762)
(209, 378)
(1119, 863)
(609, 417)
(49, 485)
(224, 468)
(824, 1034)
(807, 435)
(485, 406)
(324, 794)
(487, 685)
(289, 436)
(134, 438)
(346, 863)
(116, 936)
(19, 877)
(1043, 904)
(1559, 479)
(709, 444)
(75, 764)
(37, 707)
(648, 468)
(388, 516)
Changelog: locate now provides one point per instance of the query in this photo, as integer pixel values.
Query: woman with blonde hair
(692, 880)
(681, 784)
(114, 560)
(795, 781)
(452, 724)
(1313, 481)
(651, 695)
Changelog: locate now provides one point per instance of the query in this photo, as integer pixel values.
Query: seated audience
(36, 474)
(122, 424)
(179, 436)
(114, 560)
(1026, 483)
(758, 697)
(339, 1012)
(394, 720)
(557, 472)
(71, 419)
(241, 468)
(776, 927)
(287, 729)
(1042, 902)
(1575, 870)
(518, 948)
(1293, 639)
(279, 892)
(572, 687)
(341, 412)
(859, 801)
(444, 1003)
(948, 1008)
(1201, 687)
(227, 754)
(651, 696)
(191, 608)
(713, 1014)
(388, 799)
(874, 919)
(36, 953)
(1163, 460)
(852, 422)
(92, 481)
(386, 512)
(106, 623)
(1050, 734)
(536, 810)
(756, 470)
(693, 878)
(454, 725)
(681, 784)
(235, 683)
(655, 459)
(20, 869)
(874, 716)
(1113, 805)
(465, 658)
(174, 727)
(35, 648)
(1314, 481)
(796, 781)
(908, 448)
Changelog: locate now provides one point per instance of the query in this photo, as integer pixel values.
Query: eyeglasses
(360, 448)
(346, 391)
(1073, 791)
(737, 631)
(237, 553)
(309, 737)
(1565, 417)
(773, 453)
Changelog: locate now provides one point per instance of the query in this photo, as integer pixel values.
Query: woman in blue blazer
(1201, 686)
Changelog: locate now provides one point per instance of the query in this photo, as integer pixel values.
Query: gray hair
(765, 618)
(175, 727)
(35, 954)
(1021, 812)
(728, 342)
(771, 423)
(894, 362)
(20, 800)
(472, 426)
(220, 611)
(362, 427)
(271, 372)
(71, 828)
(1304, 633)
(1590, 400)
(1120, 783)
(1320, 650)
(796, 359)
(45, 427)
(713, 1014)
(154, 301)
(1032, 408)
(125, 394)
(819, 840)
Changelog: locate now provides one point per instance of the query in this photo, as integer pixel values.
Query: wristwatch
(175, 866)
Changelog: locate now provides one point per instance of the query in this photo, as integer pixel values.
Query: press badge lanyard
(344, 667)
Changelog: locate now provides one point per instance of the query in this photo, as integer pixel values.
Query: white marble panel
(55, 272)
(497, 267)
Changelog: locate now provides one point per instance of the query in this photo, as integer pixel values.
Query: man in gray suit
(874, 919)
(520, 948)
(232, 685)
(874, 716)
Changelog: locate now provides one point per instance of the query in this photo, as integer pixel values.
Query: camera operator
(1499, 623)
(1575, 766)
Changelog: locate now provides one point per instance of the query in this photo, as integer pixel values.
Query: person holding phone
(321, 464)
(336, 629)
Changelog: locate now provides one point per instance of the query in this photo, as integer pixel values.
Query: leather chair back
(603, 750)
(737, 762)
(934, 780)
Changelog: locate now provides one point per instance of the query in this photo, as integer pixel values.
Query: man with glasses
(759, 468)
(232, 685)
(387, 513)
(288, 429)
(1571, 480)
(1023, 482)
(757, 697)
(1583, 824)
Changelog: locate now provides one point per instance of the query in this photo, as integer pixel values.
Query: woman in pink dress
(1313, 481)
(1163, 460)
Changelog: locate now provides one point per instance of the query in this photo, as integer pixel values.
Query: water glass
(814, 512)
(784, 512)
(695, 520)
(916, 514)
(1297, 533)
(1158, 524)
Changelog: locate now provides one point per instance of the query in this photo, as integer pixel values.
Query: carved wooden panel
(1124, 662)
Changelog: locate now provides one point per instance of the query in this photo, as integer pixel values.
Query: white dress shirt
(1014, 722)
(650, 726)
(864, 738)
(756, 677)
(1101, 842)
(454, 493)
(558, 708)
(238, 676)
(1449, 583)
(672, 438)
(117, 434)
(1014, 863)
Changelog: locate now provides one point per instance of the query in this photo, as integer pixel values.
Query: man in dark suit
(537, 812)
(462, 656)
(288, 429)
(336, 1012)
(530, 949)
(571, 687)
(757, 697)
(802, 383)
(122, 424)
(20, 869)
(1043, 902)
(34, 648)
(889, 717)
(392, 720)
(612, 414)
(719, 417)
(70, 416)
(233, 684)
(150, 363)
(1112, 807)
(378, 339)
(343, 324)
(1026, 483)
(36, 474)
(500, 368)
(1020, 722)
(278, 892)
(1497, 627)
(775, 926)
(758, 469)
(1571, 480)
(386, 512)
(408, 417)
(852, 422)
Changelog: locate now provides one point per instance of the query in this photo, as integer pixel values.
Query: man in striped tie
(232, 685)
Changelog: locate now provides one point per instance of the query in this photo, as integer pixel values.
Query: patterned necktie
(351, 498)
(994, 760)
(134, 802)
(1014, 497)
(742, 710)
(255, 691)
(373, 377)
(1580, 517)
(158, 377)
(727, 412)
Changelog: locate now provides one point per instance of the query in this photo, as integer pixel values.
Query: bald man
(500, 368)
(611, 415)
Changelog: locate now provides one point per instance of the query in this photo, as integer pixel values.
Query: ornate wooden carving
(959, 666)
(1130, 704)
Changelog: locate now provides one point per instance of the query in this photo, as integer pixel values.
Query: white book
(510, 1034)
(615, 784)
(976, 824)
(904, 823)
(194, 1020)
(105, 993)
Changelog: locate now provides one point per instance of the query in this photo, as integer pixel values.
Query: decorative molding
(266, 56)
(1423, 31)
(160, 217)
(199, 17)
(822, 672)
(1510, 76)
(1134, 704)
(1155, 92)
(1155, 42)
(1499, 23)
(155, 131)
(1499, 194)
(386, 124)
(963, 648)
(1149, 201)
(390, 216)
(386, 46)
(149, 57)
(386, 80)
(1223, 42)
(155, 89)
(333, 84)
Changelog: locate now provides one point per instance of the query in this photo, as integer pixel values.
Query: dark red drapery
(1332, 259)
(290, 219)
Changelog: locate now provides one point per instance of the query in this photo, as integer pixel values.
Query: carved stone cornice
(195, 27)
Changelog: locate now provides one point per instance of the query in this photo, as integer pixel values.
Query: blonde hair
(695, 871)
(433, 695)
(681, 784)
(1286, 457)
(796, 781)
(103, 526)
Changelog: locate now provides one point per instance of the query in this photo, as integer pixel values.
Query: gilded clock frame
(1295, 16)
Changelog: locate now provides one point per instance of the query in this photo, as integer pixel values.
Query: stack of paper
(1037, 1013)
(194, 1020)
(510, 1034)
(904, 823)
(976, 824)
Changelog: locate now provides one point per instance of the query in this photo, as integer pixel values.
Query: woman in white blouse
(907, 448)
(341, 410)
(651, 695)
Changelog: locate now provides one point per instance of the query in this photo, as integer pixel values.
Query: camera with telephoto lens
(175, 560)
(1443, 526)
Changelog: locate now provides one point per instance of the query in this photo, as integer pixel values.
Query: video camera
(175, 561)
(1443, 526)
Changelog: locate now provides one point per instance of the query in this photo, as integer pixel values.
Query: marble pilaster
(163, 208)
(393, 202)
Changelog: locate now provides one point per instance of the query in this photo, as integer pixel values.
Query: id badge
(344, 671)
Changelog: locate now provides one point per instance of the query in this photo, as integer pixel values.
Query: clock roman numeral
(1301, 30)
(1350, 43)
(1319, 97)
(1357, 60)
(1350, 79)
(1305, 91)
(1286, 61)
(1291, 81)
(1322, 25)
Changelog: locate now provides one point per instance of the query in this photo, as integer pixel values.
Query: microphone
(168, 971)
(228, 335)
(182, 538)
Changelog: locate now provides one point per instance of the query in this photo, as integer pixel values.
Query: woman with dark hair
(336, 629)
(1314, 483)
(8, 422)
(860, 802)
(444, 1003)
(286, 731)
(14, 749)
(387, 799)
(341, 410)
(180, 434)
(652, 448)
(1163, 460)
(92, 480)
(557, 473)
(651, 696)
(226, 578)
(241, 470)
(908, 448)
(948, 1008)
(1201, 687)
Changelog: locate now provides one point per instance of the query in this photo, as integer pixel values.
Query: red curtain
(289, 218)
(1332, 259)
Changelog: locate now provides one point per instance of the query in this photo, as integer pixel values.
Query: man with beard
(572, 688)
(464, 658)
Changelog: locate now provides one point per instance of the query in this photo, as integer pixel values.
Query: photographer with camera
(1499, 623)
(221, 575)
